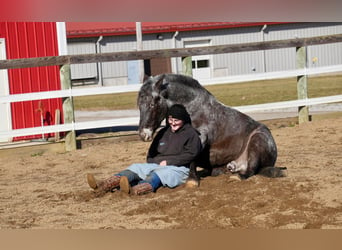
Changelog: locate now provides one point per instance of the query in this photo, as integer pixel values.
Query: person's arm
(191, 149)
(153, 150)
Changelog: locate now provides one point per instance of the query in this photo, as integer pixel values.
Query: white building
(114, 37)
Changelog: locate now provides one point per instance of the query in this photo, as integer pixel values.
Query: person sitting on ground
(168, 159)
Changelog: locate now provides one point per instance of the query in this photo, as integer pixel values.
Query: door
(5, 108)
(133, 72)
(160, 66)
(201, 65)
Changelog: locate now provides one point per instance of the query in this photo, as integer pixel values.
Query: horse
(232, 140)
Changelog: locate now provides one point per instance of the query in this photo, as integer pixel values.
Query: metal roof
(91, 29)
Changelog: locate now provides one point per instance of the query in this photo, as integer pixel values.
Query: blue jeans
(134, 179)
(154, 180)
(170, 176)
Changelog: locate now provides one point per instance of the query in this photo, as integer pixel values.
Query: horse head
(152, 105)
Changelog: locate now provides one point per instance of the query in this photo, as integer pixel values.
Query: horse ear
(146, 77)
(161, 87)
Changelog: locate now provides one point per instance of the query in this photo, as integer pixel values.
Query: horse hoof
(283, 172)
(191, 184)
(235, 177)
(232, 166)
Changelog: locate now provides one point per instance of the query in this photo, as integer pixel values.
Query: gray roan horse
(232, 140)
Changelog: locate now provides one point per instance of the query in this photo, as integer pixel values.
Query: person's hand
(163, 163)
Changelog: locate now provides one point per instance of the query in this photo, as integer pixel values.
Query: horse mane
(175, 88)
(185, 81)
(186, 88)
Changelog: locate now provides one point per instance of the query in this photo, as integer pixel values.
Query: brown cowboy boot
(125, 186)
(106, 185)
(142, 188)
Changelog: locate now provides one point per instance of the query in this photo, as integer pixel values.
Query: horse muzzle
(146, 134)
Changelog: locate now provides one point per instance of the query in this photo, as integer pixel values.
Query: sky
(170, 11)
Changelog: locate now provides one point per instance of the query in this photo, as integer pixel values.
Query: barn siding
(231, 63)
(24, 40)
(87, 70)
(284, 59)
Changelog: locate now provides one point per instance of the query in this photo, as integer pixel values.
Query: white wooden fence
(135, 88)
(67, 92)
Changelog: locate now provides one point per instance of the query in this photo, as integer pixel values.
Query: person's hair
(178, 111)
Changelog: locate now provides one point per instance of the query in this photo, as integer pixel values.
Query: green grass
(106, 102)
(278, 90)
(238, 94)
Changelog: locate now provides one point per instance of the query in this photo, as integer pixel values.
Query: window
(200, 64)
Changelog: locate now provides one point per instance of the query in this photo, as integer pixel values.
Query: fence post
(187, 65)
(302, 89)
(68, 107)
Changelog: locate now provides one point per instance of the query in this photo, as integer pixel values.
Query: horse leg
(193, 179)
(201, 161)
(263, 151)
(246, 165)
(260, 153)
(245, 161)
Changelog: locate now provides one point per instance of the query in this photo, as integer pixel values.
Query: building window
(200, 64)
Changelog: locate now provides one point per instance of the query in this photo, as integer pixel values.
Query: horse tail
(273, 172)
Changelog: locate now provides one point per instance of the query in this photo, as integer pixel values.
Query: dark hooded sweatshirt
(178, 148)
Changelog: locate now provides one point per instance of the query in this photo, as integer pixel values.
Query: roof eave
(163, 29)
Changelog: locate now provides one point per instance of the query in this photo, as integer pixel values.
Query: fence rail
(67, 92)
(178, 52)
(134, 121)
(135, 87)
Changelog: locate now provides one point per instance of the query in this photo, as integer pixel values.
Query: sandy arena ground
(49, 190)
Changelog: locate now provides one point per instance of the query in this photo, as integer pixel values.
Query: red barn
(27, 40)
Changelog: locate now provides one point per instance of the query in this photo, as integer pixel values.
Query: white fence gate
(5, 110)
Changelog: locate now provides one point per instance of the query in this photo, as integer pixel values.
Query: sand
(49, 191)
